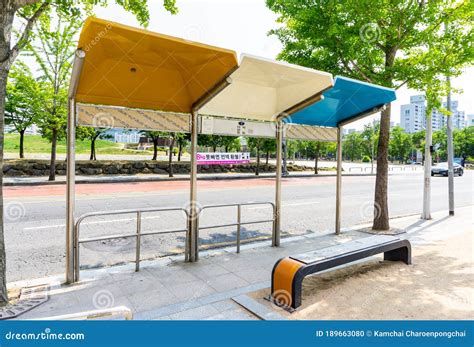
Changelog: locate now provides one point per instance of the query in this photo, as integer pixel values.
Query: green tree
(31, 11)
(154, 136)
(53, 47)
(418, 140)
(352, 146)
(400, 144)
(212, 141)
(370, 139)
(379, 41)
(182, 141)
(317, 147)
(230, 143)
(92, 135)
(269, 147)
(440, 144)
(22, 102)
(256, 144)
(464, 142)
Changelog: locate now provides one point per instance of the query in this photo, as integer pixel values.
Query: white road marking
(87, 223)
(287, 204)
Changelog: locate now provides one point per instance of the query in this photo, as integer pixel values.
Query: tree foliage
(400, 144)
(391, 43)
(23, 101)
(29, 13)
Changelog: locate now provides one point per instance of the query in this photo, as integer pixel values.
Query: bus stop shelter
(348, 101)
(132, 78)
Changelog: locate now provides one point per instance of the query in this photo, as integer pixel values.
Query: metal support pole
(192, 244)
(239, 220)
(279, 145)
(338, 180)
(426, 214)
(70, 190)
(285, 158)
(191, 247)
(71, 165)
(450, 153)
(372, 148)
(139, 232)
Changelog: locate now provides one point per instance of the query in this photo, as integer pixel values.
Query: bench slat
(345, 248)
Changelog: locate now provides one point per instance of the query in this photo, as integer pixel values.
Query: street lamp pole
(450, 151)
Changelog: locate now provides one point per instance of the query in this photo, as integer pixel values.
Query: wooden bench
(288, 273)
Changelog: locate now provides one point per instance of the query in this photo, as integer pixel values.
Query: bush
(366, 159)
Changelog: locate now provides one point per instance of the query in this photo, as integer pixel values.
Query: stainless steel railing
(239, 222)
(138, 234)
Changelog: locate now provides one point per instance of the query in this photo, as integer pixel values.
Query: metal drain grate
(30, 298)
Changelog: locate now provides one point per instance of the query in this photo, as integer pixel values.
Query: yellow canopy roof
(262, 89)
(136, 68)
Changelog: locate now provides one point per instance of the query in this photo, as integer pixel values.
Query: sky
(243, 25)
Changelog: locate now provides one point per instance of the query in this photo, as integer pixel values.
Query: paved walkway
(172, 289)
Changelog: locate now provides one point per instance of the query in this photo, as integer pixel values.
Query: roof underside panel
(346, 100)
(262, 89)
(98, 116)
(131, 67)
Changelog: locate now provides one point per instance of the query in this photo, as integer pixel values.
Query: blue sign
(233, 333)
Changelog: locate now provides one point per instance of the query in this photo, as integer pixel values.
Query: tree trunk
(257, 169)
(92, 155)
(267, 157)
(155, 149)
(381, 215)
(3, 260)
(22, 141)
(93, 140)
(170, 157)
(180, 151)
(316, 160)
(52, 166)
(426, 213)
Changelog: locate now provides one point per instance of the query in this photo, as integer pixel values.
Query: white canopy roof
(262, 89)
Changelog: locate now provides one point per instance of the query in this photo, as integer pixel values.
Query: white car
(442, 169)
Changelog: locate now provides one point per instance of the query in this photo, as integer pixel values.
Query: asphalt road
(35, 230)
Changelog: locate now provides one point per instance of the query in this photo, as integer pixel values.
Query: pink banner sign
(222, 158)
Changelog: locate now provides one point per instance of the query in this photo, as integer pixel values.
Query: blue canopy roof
(347, 99)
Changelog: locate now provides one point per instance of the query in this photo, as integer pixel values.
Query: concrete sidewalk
(172, 289)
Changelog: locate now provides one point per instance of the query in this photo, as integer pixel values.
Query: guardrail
(108, 313)
(390, 168)
(239, 222)
(138, 234)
